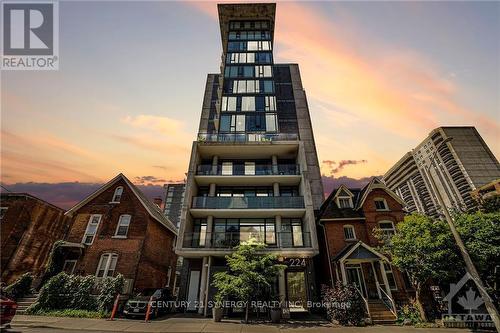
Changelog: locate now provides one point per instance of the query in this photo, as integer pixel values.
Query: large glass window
(291, 233)
(248, 103)
(271, 123)
(256, 123)
(229, 103)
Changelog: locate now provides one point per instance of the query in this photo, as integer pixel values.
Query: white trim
(369, 248)
(118, 226)
(74, 265)
(85, 234)
(353, 232)
(110, 256)
(159, 216)
(393, 229)
(118, 192)
(386, 206)
(376, 183)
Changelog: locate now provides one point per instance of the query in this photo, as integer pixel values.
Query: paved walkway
(198, 325)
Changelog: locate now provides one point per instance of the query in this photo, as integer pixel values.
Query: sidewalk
(205, 325)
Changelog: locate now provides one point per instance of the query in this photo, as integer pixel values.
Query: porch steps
(380, 314)
(24, 302)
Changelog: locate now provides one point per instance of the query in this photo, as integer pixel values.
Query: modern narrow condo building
(254, 170)
(457, 159)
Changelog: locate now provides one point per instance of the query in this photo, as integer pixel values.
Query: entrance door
(194, 285)
(355, 276)
(296, 290)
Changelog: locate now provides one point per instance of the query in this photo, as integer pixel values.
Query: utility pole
(469, 265)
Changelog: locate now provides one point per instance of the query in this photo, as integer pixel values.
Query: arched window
(349, 233)
(122, 226)
(118, 194)
(107, 265)
(387, 227)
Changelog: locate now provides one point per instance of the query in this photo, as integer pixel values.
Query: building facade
(30, 226)
(458, 166)
(174, 197)
(253, 171)
(349, 219)
(118, 230)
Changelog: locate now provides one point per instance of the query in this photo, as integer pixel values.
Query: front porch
(373, 276)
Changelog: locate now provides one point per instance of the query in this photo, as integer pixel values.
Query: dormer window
(118, 194)
(381, 204)
(345, 202)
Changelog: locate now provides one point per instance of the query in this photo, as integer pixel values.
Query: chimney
(159, 202)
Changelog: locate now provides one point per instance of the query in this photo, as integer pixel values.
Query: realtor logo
(30, 33)
(465, 305)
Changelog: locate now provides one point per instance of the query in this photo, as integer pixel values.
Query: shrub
(108, 289)
(21, 287)
(74, 292)
(409, 314)
(344, 304)
(75, 313)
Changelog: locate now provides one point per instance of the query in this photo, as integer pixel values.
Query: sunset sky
(379, 76)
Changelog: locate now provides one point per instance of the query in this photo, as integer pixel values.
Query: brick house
(118, 230)
(29, 228)
(347, 220)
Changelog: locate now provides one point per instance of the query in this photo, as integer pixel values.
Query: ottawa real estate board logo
(30, 35)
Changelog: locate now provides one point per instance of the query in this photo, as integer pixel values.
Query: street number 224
(297, 262)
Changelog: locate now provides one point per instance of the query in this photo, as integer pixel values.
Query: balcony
(228, 240)
(242, 206)
(258, 170)
(247, 137)
(248, 202)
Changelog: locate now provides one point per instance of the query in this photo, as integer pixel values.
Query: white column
(215, 163)
(342, 269)
(203, 284)
(384, 277)
(376, 280)
(274, 160)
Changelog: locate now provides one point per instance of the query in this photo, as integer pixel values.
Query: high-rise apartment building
(254, 170)
(459, 166)
(174, 197)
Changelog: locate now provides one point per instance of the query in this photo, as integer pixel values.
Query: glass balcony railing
(258, 170)
(247, 202)
(247, 137)
(228, 240)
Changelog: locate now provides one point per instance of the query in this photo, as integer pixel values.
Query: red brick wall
(29, 229)
(143, 256)
(364, 229)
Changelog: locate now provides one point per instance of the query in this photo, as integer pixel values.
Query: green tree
(480, 233)
(425, 250)
(251, 273)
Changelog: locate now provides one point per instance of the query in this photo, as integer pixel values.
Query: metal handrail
(364, 299)
(392, 306)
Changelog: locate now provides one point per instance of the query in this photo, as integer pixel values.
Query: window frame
(350, 205)
(389, 270)
(118, 225)
(386, 206)
(3, 211)
(349, 226)
(90, 221)
(115, 194)
(384, 230)
(108, 264)
(73, 261)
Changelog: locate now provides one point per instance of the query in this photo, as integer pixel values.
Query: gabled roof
(376, 183)
(359, 250)
(330, 209)
(152, 209)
